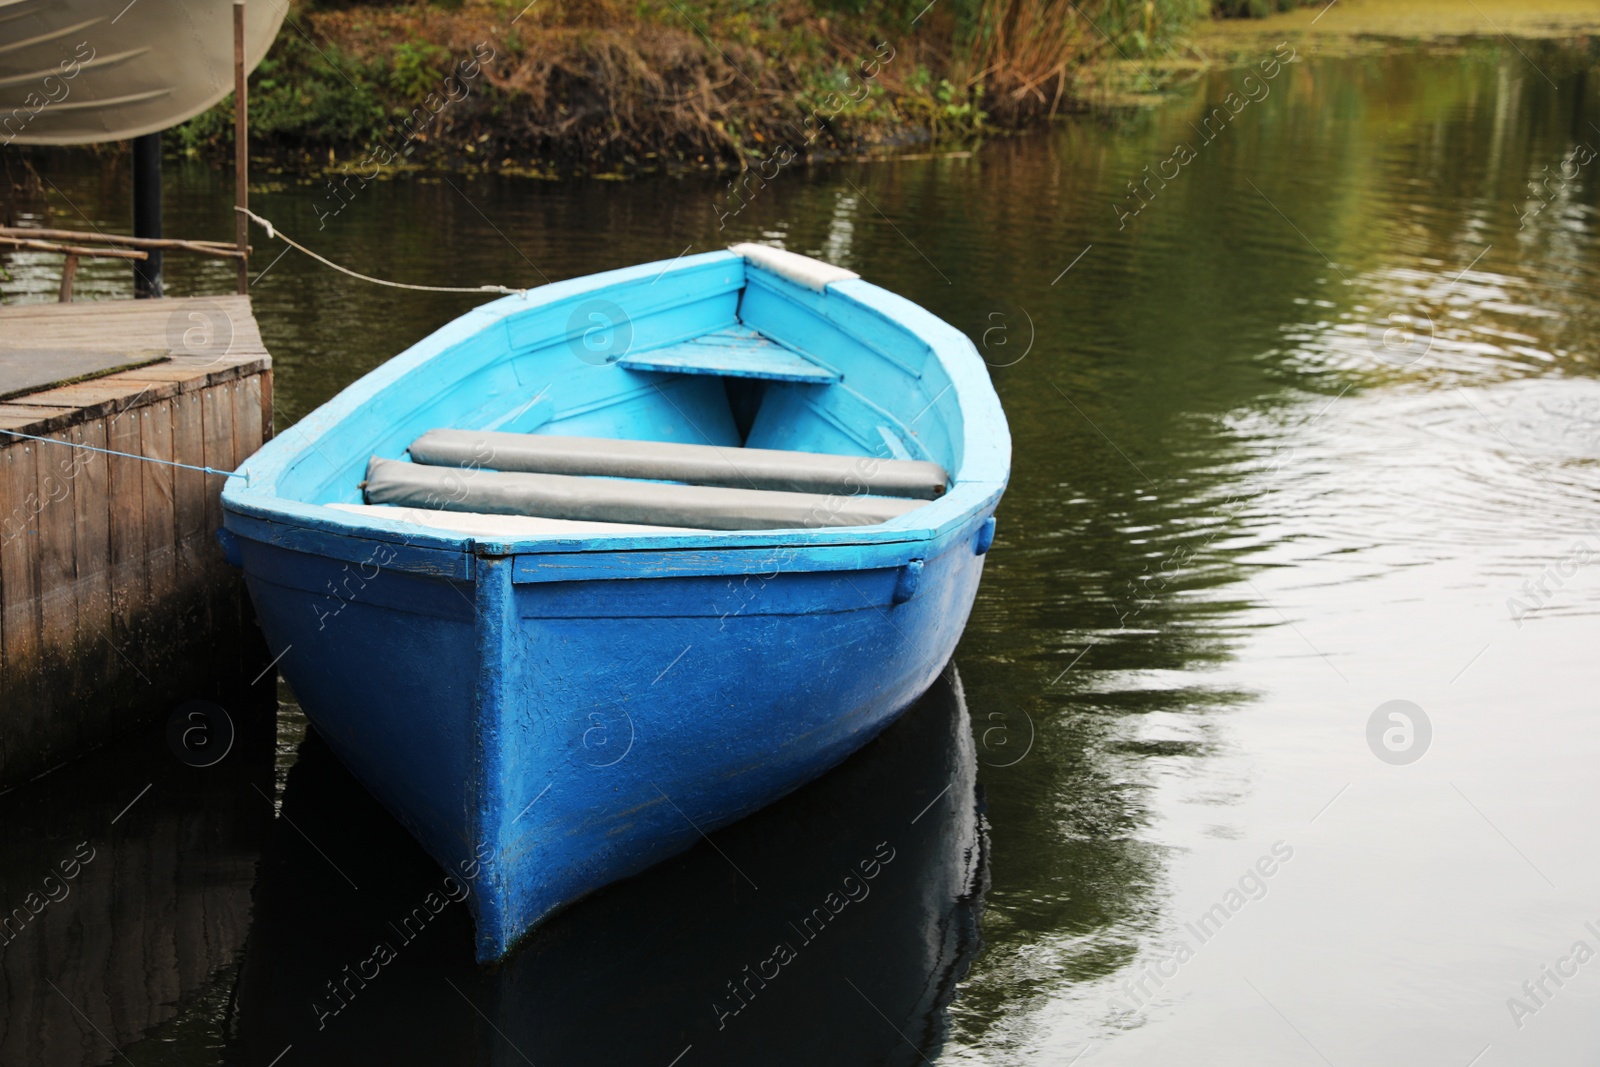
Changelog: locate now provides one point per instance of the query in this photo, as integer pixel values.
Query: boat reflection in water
(829, 928)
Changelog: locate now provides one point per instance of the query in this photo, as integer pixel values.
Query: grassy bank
(616, 87)
(607, 86)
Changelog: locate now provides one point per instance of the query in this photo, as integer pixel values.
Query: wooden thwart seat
(736, 352)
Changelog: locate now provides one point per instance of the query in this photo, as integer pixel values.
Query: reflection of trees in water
(1196, 353)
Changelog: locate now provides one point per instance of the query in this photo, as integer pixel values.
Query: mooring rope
(273, 231)
(128, 455)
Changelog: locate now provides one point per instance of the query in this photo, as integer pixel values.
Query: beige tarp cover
(80, 71)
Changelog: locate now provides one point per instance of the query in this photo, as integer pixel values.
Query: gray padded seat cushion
(736, 468)
(560, 496)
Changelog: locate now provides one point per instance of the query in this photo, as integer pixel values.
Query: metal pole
(147, 211)
(241, 145)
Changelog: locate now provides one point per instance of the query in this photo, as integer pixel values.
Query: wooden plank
(131, 309)
(191, 378)
(55, 723)
(98, 399)
(245, 425)
(134, 321)
(190, 488)
(58, 574)
(219, 249)
(19, 573)
(246, 397)
(34, 369)
(155, 384)
(92, 511)
(200, 567)
(26, 418)
(222, 452)
(217, 407)
(146, 345)
(6, 731)
(130, 587)
(195, 361)
(199, 558)
(11, 676)
(268, 410)
(247, 439)
(160, 528)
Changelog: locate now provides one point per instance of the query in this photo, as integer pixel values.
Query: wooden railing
(74, 244)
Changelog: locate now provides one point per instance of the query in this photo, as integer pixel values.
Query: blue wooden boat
(601, 567)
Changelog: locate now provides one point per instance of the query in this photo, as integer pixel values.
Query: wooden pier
(115, 601)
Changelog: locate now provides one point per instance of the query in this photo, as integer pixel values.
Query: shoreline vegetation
(610, 88)
(363, 89)
(614, 88)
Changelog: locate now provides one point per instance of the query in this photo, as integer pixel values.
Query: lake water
(1307, 422)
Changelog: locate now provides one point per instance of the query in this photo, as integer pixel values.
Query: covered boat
(598, 568)
(85, 71)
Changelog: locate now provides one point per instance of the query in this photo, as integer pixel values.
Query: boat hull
(544, 738)
(551, 710)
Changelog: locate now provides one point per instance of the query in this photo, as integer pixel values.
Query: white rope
(274, 232)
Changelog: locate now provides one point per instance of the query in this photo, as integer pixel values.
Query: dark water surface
(1317, 429)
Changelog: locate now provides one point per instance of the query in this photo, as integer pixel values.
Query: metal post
(147, 211)
(241, 146)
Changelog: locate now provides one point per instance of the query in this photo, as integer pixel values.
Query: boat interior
(757, 362)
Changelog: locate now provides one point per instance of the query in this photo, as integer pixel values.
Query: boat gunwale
(976, 485)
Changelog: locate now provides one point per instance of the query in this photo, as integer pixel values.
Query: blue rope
(126, 455)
